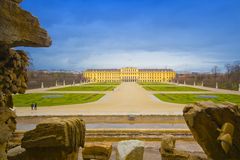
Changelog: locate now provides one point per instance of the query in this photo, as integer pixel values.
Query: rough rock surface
(169, 152)
(55, 138)
(130, 150)
(13, 78)
(56, 132)
(13, 75)
(16, 153)
(7, 127)
(19, 28)
(216, 127)
(98, 151)
(168, 143)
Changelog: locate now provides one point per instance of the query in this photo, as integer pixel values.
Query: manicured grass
(86, 88)
(45, 99)
(170, 88)
(191, 98)
(104, 83)
(153, 83)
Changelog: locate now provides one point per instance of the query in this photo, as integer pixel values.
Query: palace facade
(129, 74)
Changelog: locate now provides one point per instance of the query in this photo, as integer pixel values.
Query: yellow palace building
(129, 74)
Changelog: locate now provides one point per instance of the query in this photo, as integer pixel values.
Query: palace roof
(156, 70)
(101, 70)
(141, 70)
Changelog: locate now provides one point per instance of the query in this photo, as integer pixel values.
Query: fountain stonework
(54, 138)
(216, 127)
(17, 28)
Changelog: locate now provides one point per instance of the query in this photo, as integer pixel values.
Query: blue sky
(186, 35)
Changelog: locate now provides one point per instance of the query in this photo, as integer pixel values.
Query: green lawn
(87, 88)
(191, 98)
(170, 88)
(45, 99)
(104, 83)
(153, 83)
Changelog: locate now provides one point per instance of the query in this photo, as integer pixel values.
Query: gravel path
(127, 98)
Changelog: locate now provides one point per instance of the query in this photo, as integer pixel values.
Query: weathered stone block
(216, 127)
(98, 151)
(168, 143)
(169, 152)
(130, 150)
(55, 139)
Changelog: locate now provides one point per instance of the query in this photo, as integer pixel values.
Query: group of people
(34, 106)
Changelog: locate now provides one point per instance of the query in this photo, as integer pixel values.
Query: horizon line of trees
(35, 78)
(230, 79)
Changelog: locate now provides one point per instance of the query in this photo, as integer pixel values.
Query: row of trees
(229, 79)
(35, 78)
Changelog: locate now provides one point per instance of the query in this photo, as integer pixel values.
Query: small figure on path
(35, 106)
(32, 106)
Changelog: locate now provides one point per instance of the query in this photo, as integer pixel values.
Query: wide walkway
(127, 98)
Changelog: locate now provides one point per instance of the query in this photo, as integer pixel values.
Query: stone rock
(55, 138)
(179, 155)
(13, 79)
(19, 28)
(15, 140)
(216, 127)
(130, 150)
(98, 151)
(56, 132)
(7, 127)
(168, 143)
(13, 71)
(17, 153)
(169, 152)
(7, 124)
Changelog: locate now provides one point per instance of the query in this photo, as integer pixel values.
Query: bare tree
(215, 71)
(235, 72)
(230, 79)
(228, 68)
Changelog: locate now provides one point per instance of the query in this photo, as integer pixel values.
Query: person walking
(32, 106)
(35, 106)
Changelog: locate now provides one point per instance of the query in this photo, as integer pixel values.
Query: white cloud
(143, 59)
